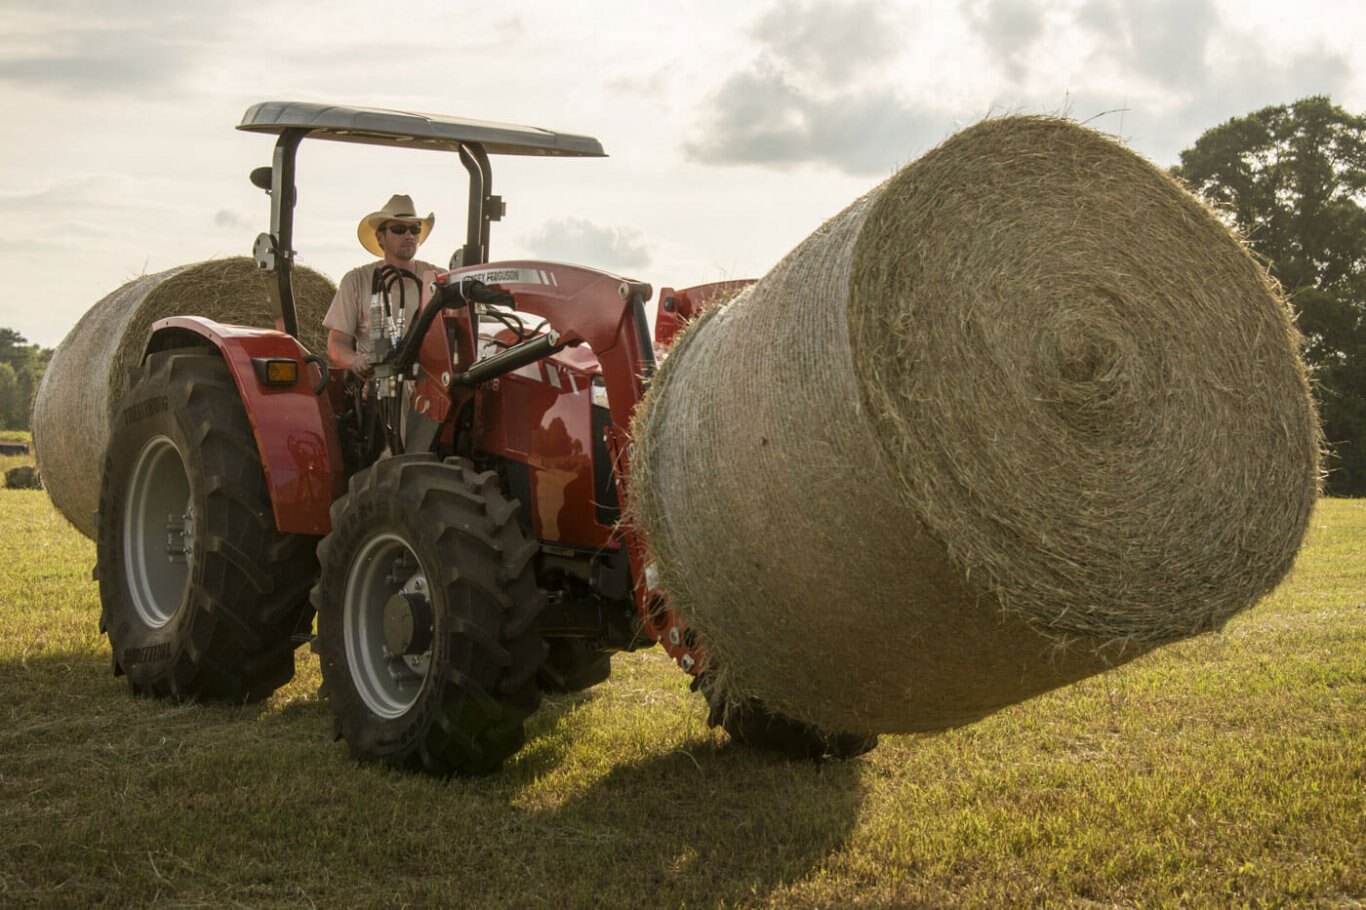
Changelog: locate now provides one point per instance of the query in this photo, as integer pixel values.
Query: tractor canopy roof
(377, 126)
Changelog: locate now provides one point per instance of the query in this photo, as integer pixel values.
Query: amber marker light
(276, 371)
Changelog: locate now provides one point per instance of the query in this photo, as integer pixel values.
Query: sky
(733, 128)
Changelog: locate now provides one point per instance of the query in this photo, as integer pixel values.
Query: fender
(296, 434)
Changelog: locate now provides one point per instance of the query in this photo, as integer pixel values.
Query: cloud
(83, 49)
(1160, 44)
(1217, 74)
(831, 41)
(1253, 82)
(759, 117)
(1165, 70)
(508, 29)
(598, 246)
(228, 218)
(755, 117)
(652, 86)
(71, 193)
(1164, 41)
(105, 71)
(1010, 28)
(811, 95)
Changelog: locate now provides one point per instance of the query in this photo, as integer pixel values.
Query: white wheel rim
(389, 684)
(158, 532)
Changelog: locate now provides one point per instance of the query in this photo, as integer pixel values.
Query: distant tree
(21, 369)
(11, 400)
(9, 341)
(1293, 179)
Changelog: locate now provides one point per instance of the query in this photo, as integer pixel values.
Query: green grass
(14, 461)
(1225, 771)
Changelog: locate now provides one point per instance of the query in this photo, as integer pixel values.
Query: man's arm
(342, 353)
(343, 320)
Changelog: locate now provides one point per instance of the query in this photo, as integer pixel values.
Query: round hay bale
(1020, 414)
(91, 368)
(23, 477)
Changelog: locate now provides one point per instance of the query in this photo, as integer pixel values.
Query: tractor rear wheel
(202, 597)
(428, 615)
(751, 724)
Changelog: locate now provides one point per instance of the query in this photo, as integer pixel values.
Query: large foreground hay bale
(1020, 414)
(91, 368)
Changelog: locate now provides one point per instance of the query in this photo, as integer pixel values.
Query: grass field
(1225, 771)
(13, 461)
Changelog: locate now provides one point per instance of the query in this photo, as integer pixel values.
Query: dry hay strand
(1020, 414)
(92, 367)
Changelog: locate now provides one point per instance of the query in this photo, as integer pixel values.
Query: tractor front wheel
(202, 596)
(428, 615)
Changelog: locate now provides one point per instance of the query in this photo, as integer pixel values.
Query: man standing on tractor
(389, 288)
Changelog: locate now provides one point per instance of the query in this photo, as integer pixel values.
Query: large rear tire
(428, 616)
(202, 597)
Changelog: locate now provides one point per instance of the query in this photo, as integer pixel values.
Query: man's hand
(341, 351)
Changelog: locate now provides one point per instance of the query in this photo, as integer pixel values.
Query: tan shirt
(350, 309)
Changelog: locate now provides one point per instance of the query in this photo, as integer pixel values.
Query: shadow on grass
(35, 679)
(45, 682)
(716, 825)
(671, 821)
(587, 816)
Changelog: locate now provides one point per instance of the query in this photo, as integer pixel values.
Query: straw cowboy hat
(398, 208)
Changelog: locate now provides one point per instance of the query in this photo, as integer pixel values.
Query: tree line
(21, 369)
(1291, 178)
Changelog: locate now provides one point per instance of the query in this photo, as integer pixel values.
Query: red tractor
(454, 521)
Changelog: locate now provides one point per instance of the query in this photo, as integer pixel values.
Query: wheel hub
(180, 536)
(407, 624)
(388, 625)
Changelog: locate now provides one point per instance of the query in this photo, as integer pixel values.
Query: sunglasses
(403, 228)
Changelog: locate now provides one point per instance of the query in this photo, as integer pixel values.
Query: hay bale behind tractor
(91, 368)
(1020, 414)
(23, 477)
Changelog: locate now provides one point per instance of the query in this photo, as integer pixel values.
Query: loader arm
(606, 313)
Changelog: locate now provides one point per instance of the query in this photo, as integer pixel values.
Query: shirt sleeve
(344, 314)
